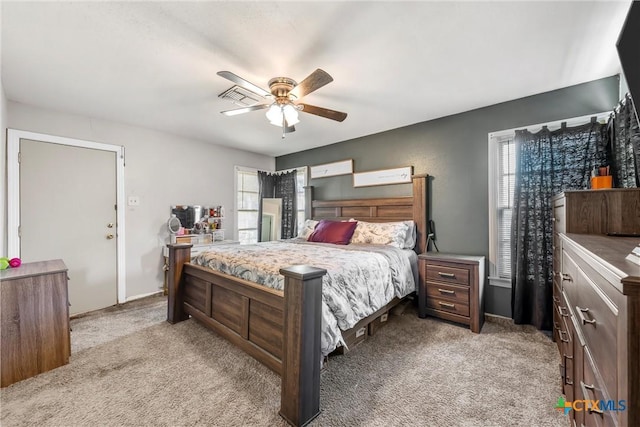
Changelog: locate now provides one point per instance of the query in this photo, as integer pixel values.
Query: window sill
(500, 282)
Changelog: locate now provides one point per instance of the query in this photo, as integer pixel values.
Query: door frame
(13, 194)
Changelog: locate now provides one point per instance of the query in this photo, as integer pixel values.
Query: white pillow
(397, 234)
(307, 228)
(410, 240)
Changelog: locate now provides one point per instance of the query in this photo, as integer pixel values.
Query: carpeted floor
(131, 368)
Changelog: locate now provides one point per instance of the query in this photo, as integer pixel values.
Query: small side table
(452, 288)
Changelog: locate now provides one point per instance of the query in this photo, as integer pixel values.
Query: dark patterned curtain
(547, 162)
(624, 142)
(282, 186)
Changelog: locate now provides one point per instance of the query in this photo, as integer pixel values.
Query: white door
(68, 211)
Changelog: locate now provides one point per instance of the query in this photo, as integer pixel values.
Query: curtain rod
(574, 121)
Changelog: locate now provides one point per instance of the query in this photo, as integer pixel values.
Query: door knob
(109, 236)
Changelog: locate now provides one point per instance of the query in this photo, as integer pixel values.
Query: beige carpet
(418, 372)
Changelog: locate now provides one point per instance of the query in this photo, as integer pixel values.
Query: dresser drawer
(568, 275)
(444, 273)
(590, 390)
(452, 293)
(448, 306)
(597, 319)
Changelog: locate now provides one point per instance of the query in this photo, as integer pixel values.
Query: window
(247, 202)
(247, 205)
(502, 167)
(504, 161)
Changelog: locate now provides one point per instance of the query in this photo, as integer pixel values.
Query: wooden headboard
(382, 210)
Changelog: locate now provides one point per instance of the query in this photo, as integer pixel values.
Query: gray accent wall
(454, 151)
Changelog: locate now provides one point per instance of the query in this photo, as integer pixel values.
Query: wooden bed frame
(281, 329)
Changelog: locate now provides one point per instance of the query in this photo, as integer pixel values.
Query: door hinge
(115, 207)
(19, 157)
(19, 231)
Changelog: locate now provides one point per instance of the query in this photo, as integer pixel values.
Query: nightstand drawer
(453, 293)
(448, 306)
(443, 273)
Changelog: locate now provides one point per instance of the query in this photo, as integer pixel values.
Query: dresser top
(33, 269)
(600, 191)
(442, 256)
(609, 253)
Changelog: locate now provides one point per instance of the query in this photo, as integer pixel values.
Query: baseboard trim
(136, 297)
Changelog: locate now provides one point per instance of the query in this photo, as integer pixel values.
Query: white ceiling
(154, 64)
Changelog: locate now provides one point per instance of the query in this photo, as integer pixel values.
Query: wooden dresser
(35, 320)
(452, 288)
(596, 300)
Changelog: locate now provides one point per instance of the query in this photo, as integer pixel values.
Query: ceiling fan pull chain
(283, 124)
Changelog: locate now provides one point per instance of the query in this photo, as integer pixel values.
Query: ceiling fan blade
(245, 109)
(242, 82)
(323, 112)
(314, 81)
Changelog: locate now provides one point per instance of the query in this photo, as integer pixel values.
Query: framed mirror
(271, 219)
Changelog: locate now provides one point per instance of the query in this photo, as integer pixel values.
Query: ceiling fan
(285, 92)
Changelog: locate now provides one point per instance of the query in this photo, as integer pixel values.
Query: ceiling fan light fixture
(274, 115)
(277, 111)
(290, 114)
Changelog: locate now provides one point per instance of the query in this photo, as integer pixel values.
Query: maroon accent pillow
(336, 232)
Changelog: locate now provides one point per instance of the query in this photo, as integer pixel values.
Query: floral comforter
(360, 279)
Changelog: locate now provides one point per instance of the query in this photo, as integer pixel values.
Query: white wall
(161, 169)
(3, 169)
(3, 160)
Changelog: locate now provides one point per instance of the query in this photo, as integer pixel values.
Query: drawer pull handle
(446, 304)
(584, 320)
(566, 277)
(567, 379)
(562, 313)
(591, 387)
(446, 291)
(560, 332)
(555, 325)
(448, 275)
(556, 299)
(554, 219)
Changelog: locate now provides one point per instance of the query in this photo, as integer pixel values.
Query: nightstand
(451, 288)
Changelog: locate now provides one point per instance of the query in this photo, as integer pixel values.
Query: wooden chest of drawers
(596, 300)
(35, 319)
(601, 292)
(452, 288)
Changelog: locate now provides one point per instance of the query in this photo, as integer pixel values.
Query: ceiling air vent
(241, 96)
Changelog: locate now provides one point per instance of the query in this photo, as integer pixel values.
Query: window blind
(504, 203)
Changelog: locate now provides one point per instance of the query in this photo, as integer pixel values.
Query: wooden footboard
(279, 329)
